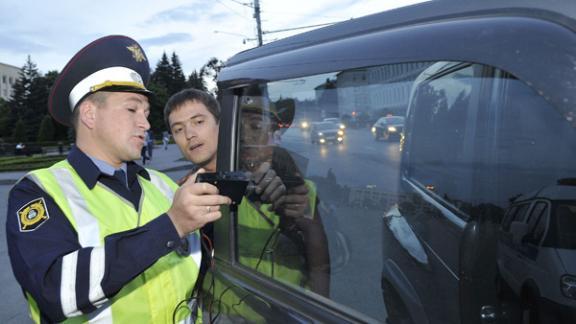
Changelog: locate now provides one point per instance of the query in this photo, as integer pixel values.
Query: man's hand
(195, 204)
(295, 203)
(268, 185)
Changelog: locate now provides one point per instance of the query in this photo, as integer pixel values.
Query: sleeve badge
(32, 215)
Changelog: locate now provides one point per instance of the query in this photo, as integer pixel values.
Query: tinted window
(537, 222)
(475, 146)
(327, 239)
(564, 227)
(441, 152)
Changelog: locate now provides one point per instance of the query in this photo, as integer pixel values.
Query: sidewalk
(168, 161)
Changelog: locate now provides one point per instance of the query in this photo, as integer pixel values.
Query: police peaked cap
(111, 63)
(281, 111)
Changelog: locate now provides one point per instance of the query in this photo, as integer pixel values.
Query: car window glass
(565, 225)
(521, 213)
(439, 156)
(325, 237)
(470, 144)
(540, 225)
(536, 222)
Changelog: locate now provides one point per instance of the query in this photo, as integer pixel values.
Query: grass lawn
(24, 163)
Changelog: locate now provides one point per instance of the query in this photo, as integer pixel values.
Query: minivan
(405, 231)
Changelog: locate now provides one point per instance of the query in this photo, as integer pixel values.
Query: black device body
(230, 184)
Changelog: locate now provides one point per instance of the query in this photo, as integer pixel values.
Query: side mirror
(518, 231)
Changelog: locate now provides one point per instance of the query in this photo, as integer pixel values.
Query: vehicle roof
(561, 11)
(513, 35)
(557, 192)
(325, 123)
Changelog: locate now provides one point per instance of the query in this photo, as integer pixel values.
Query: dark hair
(180, 98)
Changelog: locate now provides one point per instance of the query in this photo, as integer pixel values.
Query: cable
(209, 247)
(249, 5)
(236, 13)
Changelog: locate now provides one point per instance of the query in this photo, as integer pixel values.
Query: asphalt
(13, 307)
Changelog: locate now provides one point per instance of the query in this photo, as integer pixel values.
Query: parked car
(537, 253)
(387, 128)
(326, 132)
(487, 92)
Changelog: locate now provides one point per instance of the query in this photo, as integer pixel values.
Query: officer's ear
(87, 113)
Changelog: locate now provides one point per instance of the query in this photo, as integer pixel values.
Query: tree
(19, 133)
(157, 102)
(46, 132)
(211, 70)
(29, 100)
(5, 122)
(196, 81)
(178, 80)
(162, 75)
(18, 103)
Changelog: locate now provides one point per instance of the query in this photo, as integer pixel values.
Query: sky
(51, 32)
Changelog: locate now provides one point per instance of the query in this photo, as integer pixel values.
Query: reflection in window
(473, 138)
(339, 181)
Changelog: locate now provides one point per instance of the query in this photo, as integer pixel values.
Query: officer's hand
(268, 185)
(296, 203)
(184, 178)
(195, 204)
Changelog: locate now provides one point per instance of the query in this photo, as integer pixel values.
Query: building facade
(8, 76)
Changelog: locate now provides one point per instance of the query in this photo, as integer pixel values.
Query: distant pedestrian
(20, 148)
(144, 151)
(165, 139)
(150, 143)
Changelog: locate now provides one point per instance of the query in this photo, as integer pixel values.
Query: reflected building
(360, 91)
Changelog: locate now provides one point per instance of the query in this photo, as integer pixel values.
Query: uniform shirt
(36, 256)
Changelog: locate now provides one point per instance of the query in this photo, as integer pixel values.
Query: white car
(537, 253)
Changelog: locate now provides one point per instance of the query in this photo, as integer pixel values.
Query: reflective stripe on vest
(150, 297)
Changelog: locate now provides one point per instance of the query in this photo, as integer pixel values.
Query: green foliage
(178, 81)
(157, 103)
(163, 73)
(46, 132)
(211, 70)
(5, 122)
(196, 81)
(19, 133)
(28, 104)
(23, 163)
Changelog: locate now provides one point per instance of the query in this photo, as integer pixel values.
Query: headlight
(392, 129)
(568, 286)
(320, 134)
(341, 132)
(340, 139)
(304, 124)
(342, 126)
(322, 141)
(373, 129)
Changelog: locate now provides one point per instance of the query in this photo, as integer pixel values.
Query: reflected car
(335, 121)
(326, 132)
(537, 255)
(388, 128)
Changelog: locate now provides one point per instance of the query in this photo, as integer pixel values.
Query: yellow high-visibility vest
(95, 213)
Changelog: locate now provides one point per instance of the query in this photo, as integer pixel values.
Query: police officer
(96, 236)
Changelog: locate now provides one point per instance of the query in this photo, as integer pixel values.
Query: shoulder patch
(32, 215)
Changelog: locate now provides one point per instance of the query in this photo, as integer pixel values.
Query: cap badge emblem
(137, 53)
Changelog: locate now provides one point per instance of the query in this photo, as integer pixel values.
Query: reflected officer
(96, 236)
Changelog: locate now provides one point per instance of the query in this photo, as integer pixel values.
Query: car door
(409, 228)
